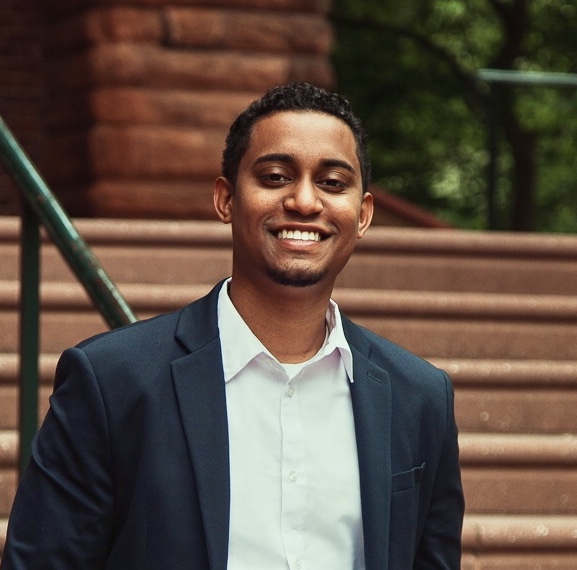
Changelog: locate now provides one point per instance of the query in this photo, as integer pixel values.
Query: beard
(295, 276)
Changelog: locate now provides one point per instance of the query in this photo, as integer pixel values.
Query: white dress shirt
(295, 496)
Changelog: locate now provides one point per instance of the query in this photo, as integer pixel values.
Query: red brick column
(141, 93)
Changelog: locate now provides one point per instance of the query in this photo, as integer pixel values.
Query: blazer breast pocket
(407, 479)
(405, 500)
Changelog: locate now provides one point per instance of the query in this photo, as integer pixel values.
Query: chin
(296, 278)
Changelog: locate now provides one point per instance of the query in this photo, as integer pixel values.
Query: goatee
(295, 277)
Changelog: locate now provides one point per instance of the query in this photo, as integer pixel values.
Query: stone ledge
(496, 449)
(155, 66)
(134, 151)
(520, 490)
(509, 373)
(247, 31)
(142, 106)
(513, 560)
(483, 533)
(488, 409)
(112, 24)
(458, 305)
(312, 6)
(518, 449)
(374, 302)
(8, 447)
(222, 28)
(9, 370)
(387, 240)
(186, 198)
(3, 530)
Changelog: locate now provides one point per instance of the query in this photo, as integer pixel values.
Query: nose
(304, 198)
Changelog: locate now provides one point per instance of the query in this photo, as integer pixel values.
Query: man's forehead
(322, 129)
(297, 115)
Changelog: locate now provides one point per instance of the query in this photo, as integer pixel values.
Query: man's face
(297, 208)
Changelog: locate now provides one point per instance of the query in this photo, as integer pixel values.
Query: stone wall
(140, 94)
(21, 94)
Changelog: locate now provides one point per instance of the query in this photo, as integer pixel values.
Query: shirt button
(290, 391)
(293, 476)
(299, 563)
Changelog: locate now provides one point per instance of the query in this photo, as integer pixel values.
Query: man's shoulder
(157, 331)
(144, 330)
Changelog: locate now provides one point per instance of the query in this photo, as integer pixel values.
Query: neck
(289, 321)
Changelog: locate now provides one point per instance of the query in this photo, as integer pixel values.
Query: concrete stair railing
(497, 311)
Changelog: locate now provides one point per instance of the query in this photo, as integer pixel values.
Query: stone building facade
(124, 104)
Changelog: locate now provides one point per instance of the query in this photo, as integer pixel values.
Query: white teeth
(299, 235)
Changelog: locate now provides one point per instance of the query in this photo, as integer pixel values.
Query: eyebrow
(289, 158)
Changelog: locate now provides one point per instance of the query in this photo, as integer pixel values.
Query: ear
(366, 214)
(223, 193)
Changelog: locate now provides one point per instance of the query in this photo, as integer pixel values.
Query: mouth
(299, 235)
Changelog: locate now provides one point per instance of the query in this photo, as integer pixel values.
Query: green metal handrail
(41, 206)
(495, 78)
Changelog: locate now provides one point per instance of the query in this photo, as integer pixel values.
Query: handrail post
(29, 332)
(41, 206)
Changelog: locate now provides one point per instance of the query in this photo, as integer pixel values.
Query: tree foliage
(410, 71)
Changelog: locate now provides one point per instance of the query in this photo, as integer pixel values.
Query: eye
(274, 179)
(332, 184)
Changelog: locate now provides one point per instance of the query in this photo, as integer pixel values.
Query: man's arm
(62, 513)
(440, 544)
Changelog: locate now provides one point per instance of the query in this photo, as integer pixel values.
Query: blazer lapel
(371, 400)
(200, 389)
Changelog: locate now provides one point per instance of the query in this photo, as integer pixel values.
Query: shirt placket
(293, 486)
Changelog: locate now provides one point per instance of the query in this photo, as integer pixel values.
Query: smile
(299, 235)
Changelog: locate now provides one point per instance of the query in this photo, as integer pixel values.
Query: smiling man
(258, 427)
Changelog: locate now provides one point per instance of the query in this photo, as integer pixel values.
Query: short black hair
(292, 97)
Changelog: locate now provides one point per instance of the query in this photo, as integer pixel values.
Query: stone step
(502, 473)
(491, 396)
(514, 396)
(519, 473)
(514, 542)
(386, 258)
(492, 542)
(505, 541)
(448, 325)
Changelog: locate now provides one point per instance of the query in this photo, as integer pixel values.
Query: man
(257, 427)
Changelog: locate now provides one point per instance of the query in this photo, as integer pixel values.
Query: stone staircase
(497, 311)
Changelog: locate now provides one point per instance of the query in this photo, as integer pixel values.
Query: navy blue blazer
(130, 468)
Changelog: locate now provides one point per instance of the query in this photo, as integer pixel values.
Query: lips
(299, 235)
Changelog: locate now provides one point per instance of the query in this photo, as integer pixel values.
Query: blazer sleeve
(62, 513)
(440, 544)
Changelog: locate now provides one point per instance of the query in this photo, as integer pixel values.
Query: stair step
(536, 396)
(505, 542)
(522, 374)
(481, 449)
(386, 258)
(3, 529)
(476, 449)
(491, 396)
(498, 472)
(373, 302)
(457, 325)
(492, 542)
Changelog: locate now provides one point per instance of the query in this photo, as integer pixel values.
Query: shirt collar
(236, 355)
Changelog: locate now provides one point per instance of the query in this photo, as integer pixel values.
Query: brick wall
(140, 94)
(21, 93)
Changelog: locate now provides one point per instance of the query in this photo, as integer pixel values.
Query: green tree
(410, 70)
